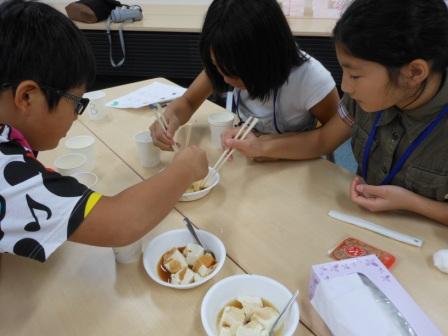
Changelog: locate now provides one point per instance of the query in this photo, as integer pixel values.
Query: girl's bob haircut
(249, 39)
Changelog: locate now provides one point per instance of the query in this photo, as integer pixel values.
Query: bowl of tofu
(248, 305)
(173, 259)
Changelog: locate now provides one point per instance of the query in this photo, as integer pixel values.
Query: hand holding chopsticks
(164, 125)
(241, 135)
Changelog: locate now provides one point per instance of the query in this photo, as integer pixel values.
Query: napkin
(349, 307)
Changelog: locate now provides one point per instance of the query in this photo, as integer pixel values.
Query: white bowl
(178, 238)
(232, 287)
(69, 164)
(195, 195)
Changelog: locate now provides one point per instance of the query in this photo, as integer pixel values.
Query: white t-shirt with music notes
(39, 208)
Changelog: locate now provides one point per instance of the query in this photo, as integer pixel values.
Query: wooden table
(273, 218)
(80, 290)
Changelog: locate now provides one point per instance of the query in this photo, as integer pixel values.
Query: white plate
(195, 195)
(178, 238)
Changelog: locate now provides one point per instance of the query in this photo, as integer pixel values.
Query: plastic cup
(129, 253)
(96, 110)
(83, 144)
(183, 135)
(69, 164)
(219, 123)
(87, 178)
(148, 154)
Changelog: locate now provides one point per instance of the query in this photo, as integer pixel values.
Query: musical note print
(33, 205)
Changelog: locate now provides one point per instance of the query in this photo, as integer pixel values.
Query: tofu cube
(183, 277)
(252, 328)
(204, 264)
(250, 304)
(226, 331)
(192, 252)
(197, 277)
(265, 316)
(231, 319)
(174, 261)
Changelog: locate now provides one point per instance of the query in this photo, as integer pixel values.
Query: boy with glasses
(45, 67)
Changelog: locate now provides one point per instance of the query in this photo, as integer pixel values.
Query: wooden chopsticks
(164, 125)
(248, 125)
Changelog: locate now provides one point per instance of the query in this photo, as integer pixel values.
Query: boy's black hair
(39, 43)
(250, 39)
(393, 33)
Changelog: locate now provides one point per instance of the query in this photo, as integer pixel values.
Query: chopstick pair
(164, 125)
(248, 125)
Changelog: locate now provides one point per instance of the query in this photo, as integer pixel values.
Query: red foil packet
(352, 247)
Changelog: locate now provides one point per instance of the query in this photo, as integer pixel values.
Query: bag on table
(91, 11)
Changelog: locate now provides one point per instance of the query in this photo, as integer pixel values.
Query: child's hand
(249, 147)
(357, 181)
(379, 198)
(165, 140)
(194, 160)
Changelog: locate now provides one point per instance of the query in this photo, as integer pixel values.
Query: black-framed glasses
(80, 102)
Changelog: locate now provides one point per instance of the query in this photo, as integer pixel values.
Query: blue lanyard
(237, 105)
(407, 153)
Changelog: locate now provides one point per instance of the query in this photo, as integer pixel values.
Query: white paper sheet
(350, 308)
(151, 94)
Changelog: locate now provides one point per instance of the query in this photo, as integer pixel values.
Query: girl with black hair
(248, 45)
(394, 56)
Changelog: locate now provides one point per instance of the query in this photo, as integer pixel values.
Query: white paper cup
(96, 110)
(129, 253)
(87, 178)
(219, 123)
(148, 154)
(69, 164)
(83, 144)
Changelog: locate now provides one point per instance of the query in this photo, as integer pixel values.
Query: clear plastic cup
(85, 145)
(71, 163)
(96, 109)
(87, 178)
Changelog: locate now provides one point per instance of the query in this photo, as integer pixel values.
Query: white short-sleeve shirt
(307, 85)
